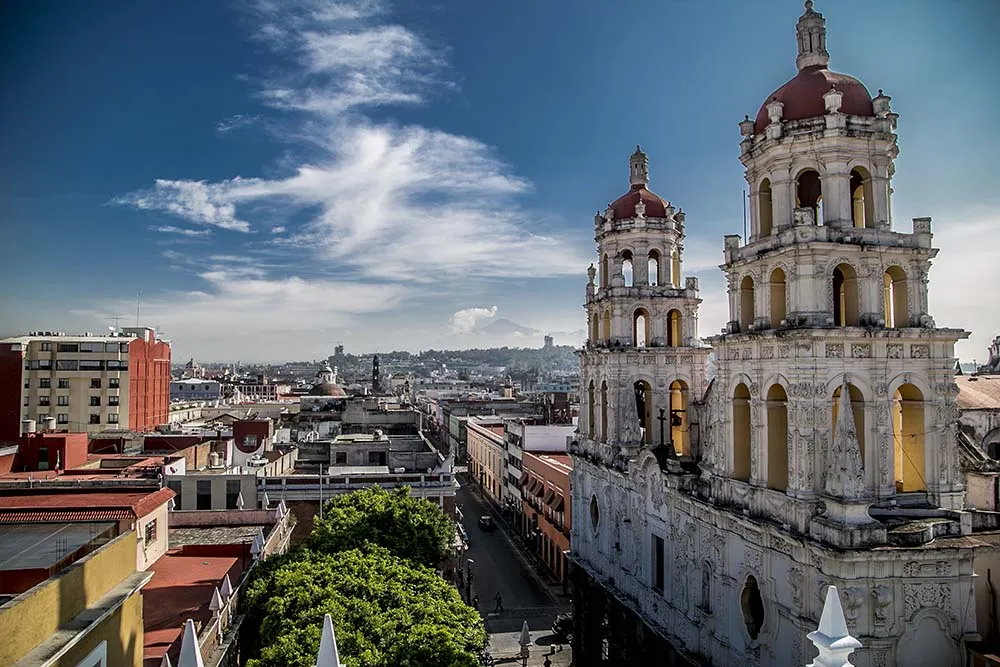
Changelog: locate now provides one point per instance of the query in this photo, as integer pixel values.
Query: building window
(42, 415)
(45, 364)
(43, 400)
(62, 418)
(91, 365)
(340, 458)
(46, 347)
(92, 347)
(44, 383)
(111, 347)
(112, 400)
(69, 347)
(67, 365)
(43, 458)
(95, 401)
(657, 564)
(62, 401)
(95, 418)
(752, 605)
(150, 532)
(113, 418)
(232, 493)
(205, 494)
(95, 383)
(114, 383)
(27, 401)
(64, 383)
(27, 383)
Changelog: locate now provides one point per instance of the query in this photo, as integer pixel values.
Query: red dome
(803, 97)
(624, 206)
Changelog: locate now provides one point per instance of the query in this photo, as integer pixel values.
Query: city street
(498, 566)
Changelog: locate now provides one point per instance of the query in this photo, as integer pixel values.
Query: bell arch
(895, 297)
(857, 407)
(591, 409)
(741, 433)
(909, 454)
(604, 273)
(653, 268)
(680, 432)
(862, 200)
(746, 303)
(595, 328)
(628, 271)
(809, 193)
(765, 209)
(675, 333)
(777, 438)
(846, 298)
(604, 411)
(607, 326)
(640, 327)
(777, 296)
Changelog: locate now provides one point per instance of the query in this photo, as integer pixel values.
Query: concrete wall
(148, 552)
(188, 496)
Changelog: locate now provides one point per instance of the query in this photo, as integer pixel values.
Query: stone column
(836, 189)
(782, 203)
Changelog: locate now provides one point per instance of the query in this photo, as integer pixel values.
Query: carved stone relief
(834, 350)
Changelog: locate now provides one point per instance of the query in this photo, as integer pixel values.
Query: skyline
(397, 177)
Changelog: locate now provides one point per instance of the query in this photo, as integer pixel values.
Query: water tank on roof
(214, 460)
(50, 423)
(27, 426)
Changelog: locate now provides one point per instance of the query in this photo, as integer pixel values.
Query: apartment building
(85, 383)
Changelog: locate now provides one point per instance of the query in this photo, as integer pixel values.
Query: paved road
(499, 567)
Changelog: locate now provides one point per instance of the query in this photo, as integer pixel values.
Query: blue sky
(276, 177)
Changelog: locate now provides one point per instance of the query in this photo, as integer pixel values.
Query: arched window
(675, 268)
(752, 606)
(895, 298)
(680, 434)
(653, 268)
(591, 407)
(741, 433)
(746, 303)
(764, 210)
(607, 326)
(604, 273)
(674, 333)
(845, 296)
(778, 313)
(908, 438)
(627, 267)
(858, 408)
(604, 411)
(644, 409)
(640, 328)
(809, 193)
(595, 334)
(777, 438)
(862, 202)
(706, 586)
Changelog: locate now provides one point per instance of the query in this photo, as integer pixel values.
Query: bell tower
(643, 364)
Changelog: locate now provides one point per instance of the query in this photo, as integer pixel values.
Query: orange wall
(556, 478)
(149, 384)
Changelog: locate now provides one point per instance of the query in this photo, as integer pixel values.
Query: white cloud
(235, 122)
(170, 229)
(280, 229)
(195, 201)
(467, 320)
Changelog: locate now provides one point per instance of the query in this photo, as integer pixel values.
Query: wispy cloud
(466, 320)
(170, 229)
(195, 201)
(235, 122)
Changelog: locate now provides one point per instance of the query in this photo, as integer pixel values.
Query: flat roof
(546, 438)
(978, 392)
(72, 338)
(41, 545)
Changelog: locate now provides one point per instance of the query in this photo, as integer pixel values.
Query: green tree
(387, 612)
(410, 528)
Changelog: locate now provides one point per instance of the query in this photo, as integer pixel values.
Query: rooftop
(44, 545)
(978, 392)
(73, 504)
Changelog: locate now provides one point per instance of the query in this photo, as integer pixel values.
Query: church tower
(828, 315)
(643, 364)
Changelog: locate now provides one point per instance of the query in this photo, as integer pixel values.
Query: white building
(712, 517)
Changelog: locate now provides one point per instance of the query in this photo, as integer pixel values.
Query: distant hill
(504, 327)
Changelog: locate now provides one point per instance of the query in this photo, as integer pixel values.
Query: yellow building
(484, 436)
(79, 603)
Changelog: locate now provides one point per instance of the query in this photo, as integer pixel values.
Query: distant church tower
(375, 376)
(642, 363)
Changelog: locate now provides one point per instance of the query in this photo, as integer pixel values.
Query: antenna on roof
(138, 300)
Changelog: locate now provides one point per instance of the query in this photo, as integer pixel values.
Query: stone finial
(746, 126)
(640, 209)
(190, 649)
(810, 32)
(833, 98)
(845, 477)
(598, 219)
(328, 656)
(834, 642)
(680, 216)
(880, 103)
(591, 274)
(609, 214)
(774, 110)
(227, 588)
(638, 168)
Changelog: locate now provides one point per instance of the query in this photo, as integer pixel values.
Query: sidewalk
(506, 651)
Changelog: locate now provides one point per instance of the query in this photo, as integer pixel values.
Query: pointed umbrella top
(525, 639)
(328, 656)
(833, 623)
(239, 501)
(190, 650)
(216, 603)
(265, 502)
(227, 587)
(832, 639)
(166, 661)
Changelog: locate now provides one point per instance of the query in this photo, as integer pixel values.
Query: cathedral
(712, 510)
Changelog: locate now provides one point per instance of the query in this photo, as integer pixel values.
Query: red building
(546, 507)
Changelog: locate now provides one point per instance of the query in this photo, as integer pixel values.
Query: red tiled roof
(55, 516)
(624, 206)
(76, 502)
(803, 97)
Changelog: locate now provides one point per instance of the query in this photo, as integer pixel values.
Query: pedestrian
(499, 600)
(475, 603)
(547, 663)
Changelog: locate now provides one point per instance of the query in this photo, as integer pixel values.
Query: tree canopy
(408, 527)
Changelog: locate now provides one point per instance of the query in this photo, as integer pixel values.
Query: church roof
(803, 96)
(978, 392)
(624, 206)
(327, 389)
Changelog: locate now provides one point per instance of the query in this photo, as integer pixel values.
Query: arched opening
(675, 268)
(845, 296)
(595, 325)
(741, 433)
(604, 411)
(627, 271)
(674, 328)
(991, 444)
(777, 438)
(706, 586)
(591, 407)
(644, 409)
(653, 268)
(640, 328)
(752, 606)
(862, 202)
(895, 298)
(607, 326)
(680, 433)
(764, 210)
(746, 303)
(778, 311)
(858, 408)
(604, 273)
(908, 438)
(595, 514)
(809, 193)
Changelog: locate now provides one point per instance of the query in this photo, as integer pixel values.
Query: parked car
(562, 628)
(486, 522)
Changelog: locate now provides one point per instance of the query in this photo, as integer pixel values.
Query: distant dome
(327, 389)
(803, 97)
(624, 206)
